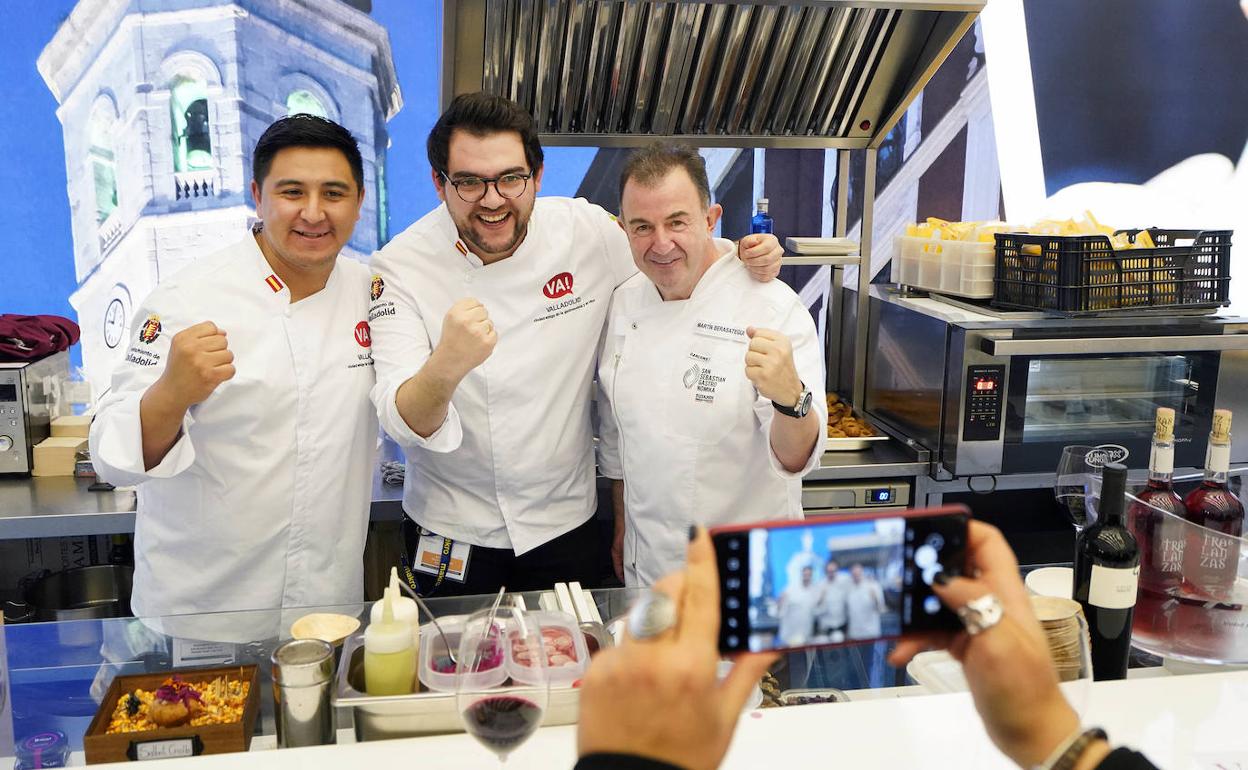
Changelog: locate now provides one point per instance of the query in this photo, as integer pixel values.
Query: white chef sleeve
(401, 346)
(614, 242)
(116, 436)
(799, 327)
(608, 449)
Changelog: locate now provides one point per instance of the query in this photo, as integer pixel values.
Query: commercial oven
(831, 498)
(1001, 393)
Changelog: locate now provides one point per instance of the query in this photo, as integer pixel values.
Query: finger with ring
(981, 614)
(654, 613)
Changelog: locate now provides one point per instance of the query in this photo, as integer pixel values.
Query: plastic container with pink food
(566, 653)
(436, 670)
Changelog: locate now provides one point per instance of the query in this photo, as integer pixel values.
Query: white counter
(1195, 721)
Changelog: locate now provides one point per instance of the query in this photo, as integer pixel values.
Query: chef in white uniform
(487, 315)
(706, 376)
(241, 409)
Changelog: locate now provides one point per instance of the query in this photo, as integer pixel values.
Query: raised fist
(199, 361)
(769, 365)
(468, 336)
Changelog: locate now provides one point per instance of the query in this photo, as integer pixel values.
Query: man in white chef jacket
(241, 409)
(486, 319)
(707, 377)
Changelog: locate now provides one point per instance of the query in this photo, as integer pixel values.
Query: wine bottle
(1212, 554)
(1107, 573)
(1161, 538)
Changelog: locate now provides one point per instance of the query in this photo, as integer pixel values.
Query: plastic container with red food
(566, 653)
(437, 672)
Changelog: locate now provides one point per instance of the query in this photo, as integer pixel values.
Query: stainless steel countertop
(53, 506)
(61, 505)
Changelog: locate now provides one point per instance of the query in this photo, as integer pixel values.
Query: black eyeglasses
(471, 189)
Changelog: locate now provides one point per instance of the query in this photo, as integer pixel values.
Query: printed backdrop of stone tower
(161, 102)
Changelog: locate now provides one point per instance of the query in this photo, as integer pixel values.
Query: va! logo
(363, 334)
(558, 286)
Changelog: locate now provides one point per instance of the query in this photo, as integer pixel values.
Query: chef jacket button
(634, 325)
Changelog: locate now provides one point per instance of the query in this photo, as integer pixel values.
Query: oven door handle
(1073, 346)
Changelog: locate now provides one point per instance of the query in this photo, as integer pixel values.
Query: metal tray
(852, 444)
(794, 697)
(380, 717)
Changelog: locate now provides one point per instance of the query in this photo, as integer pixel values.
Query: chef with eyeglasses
(486, 316)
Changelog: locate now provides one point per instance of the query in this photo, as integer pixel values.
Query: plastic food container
(567, 656)
(435, 670)
(958, 268)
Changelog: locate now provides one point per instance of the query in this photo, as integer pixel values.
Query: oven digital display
(982, 385)
(880, 496)
(8, 391)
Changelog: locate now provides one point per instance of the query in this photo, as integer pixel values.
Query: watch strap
(792, 411)
(1067, 755)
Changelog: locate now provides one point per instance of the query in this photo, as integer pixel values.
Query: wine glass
(1075, 484)
(501, 713)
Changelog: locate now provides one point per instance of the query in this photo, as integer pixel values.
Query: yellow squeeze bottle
(405, 609)
(389, 658)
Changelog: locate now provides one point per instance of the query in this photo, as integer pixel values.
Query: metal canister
(303, 670)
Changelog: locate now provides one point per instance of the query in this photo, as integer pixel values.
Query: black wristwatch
(800, 409)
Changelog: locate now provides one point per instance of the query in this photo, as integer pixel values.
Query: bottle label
(1161, 459)
(1218, 459)
(1113, 588)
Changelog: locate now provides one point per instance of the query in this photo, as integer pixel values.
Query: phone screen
(837, 579)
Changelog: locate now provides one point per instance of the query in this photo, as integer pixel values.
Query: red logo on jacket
(363, 335)
(558, 286)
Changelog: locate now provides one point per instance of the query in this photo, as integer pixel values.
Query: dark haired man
(485, 339)
(706, 379)
(241, 409)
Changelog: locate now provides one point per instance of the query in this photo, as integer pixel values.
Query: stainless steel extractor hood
(769, 73)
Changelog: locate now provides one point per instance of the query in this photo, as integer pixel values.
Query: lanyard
(444, 563)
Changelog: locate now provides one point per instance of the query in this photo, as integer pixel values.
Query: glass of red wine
(502, 717)
(1076, 485)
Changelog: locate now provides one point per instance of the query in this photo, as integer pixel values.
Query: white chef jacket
(513, 464)
(863, 602)
(797, 614)
(263, 501)
(681, 423)
(832, 603)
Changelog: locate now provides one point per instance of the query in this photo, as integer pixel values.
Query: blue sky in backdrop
(37, 265)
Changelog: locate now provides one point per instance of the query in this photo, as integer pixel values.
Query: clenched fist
(769, 365)
(468, 336)
(199, 361)
(761, 254)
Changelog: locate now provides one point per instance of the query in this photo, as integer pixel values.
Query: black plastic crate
(1084, 275)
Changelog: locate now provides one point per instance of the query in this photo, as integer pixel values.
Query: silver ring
(654, 613)
(981, 614)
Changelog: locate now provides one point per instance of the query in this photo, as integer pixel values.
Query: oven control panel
(985, 385)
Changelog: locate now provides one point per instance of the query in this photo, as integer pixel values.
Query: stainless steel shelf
(883, 460)
(835, 260)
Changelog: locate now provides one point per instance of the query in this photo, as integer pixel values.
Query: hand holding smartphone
(836, 579)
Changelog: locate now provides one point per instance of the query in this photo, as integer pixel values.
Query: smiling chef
(241, 409)
(707, 377)
(486, 319)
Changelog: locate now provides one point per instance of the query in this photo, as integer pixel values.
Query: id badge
(432, 549)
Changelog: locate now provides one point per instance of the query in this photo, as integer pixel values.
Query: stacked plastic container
(962, 268)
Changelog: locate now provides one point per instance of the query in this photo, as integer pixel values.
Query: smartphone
(836, 579)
